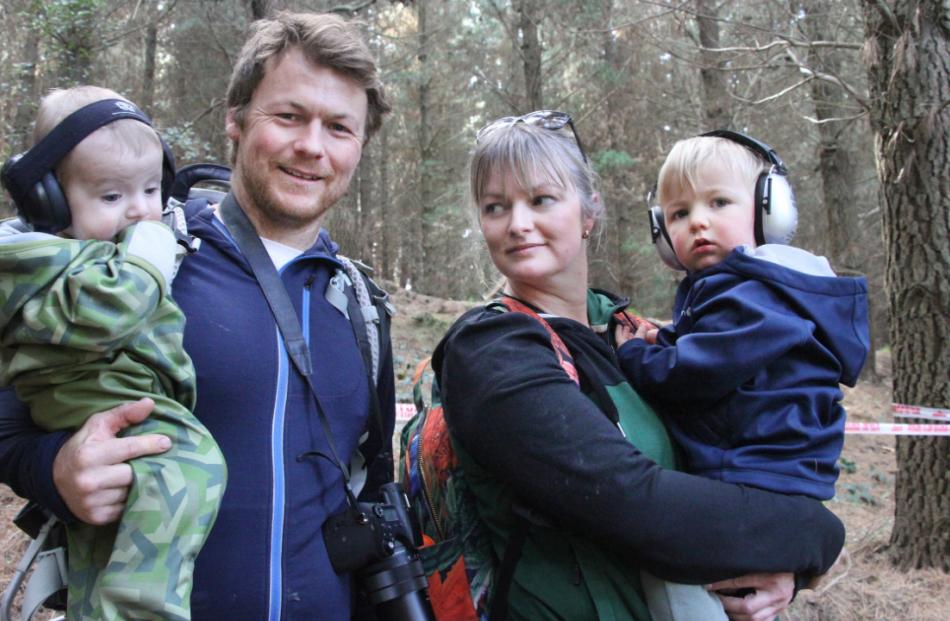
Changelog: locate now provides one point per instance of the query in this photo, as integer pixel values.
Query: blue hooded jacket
(748, 373)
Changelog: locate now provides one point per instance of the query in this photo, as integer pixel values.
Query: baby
(87, 323)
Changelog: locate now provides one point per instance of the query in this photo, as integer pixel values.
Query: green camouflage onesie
(85, 326)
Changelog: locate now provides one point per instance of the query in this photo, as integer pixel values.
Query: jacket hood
(13, 226)
(601, 305)
(837, 305)
(203, 223)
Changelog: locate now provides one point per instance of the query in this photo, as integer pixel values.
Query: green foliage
(186, 143)
(72, 29)
(608, 161)
(847, 466)
(856, 493)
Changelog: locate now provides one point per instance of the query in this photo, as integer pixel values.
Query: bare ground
(870, 589)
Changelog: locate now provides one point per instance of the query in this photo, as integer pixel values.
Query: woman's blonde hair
(529, 152)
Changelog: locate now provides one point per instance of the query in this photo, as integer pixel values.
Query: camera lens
(397, 586)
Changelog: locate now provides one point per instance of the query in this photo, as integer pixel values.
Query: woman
(532, 440)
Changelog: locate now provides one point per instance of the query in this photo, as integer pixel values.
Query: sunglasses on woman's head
(547, 119)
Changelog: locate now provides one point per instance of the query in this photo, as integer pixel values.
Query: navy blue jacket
(265, 557)
(748, 373)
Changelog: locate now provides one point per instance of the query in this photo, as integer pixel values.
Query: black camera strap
(251, 246)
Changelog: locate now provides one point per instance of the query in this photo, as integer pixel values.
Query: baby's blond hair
(60, 103)
(687, 156)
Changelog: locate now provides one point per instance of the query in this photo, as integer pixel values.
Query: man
(303, 100)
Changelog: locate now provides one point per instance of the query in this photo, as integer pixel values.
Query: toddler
(747, 375)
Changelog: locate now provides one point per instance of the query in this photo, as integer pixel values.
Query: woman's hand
(772, 594)
(90, 472)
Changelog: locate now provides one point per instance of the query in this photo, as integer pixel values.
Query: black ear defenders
(776, 217)
(29, 177)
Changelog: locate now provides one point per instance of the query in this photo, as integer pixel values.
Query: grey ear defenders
(29, 176)
(776, 216)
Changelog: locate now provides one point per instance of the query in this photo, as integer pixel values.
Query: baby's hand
(630, 326)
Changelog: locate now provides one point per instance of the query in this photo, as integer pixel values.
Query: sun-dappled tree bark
(908, 63)
(716, 113)
(834, 158)
(26, 93)
(264, 8)
(148, 73)
(425, 260)
(834, 111)
(530, 54)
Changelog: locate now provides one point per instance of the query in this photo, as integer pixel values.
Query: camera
(377, 543)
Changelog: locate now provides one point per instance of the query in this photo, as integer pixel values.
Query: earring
(585, 234)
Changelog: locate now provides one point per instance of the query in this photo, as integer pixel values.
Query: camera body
(377, 543)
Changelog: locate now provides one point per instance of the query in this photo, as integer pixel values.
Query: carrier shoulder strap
(251, 246)
(560, 349)
(525, 518)
(368, 311)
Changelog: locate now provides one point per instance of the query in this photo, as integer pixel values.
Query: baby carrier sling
(466, 580)
(351, 291)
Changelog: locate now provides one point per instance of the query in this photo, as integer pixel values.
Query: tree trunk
(389, 220)
(367, 228)
(839, 184)
(261, 9)
(425, 260)
(616, 180)
(716, 103)
(908, 61)
(530, 54)
(26, 99)
(148, 78)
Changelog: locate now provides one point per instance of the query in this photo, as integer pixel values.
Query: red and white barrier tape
(405, 411)
(897, 429)
(915, 411)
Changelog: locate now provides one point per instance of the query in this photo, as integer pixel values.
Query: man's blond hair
(326, 40)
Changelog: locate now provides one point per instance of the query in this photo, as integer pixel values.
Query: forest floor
(871, 589)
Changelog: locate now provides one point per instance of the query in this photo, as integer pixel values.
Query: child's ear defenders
(29, 177)
(776, 216)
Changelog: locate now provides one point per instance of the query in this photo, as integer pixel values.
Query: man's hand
(772, 594)
(90, 472)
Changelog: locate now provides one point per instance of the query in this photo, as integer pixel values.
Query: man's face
(298, 147)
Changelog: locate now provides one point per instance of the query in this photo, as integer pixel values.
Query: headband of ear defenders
(27, 170)
(756, 146)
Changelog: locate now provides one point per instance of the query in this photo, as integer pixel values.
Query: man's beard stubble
(275, 215)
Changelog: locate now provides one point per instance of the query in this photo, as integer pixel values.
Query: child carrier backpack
(467, 581)
(41, 572)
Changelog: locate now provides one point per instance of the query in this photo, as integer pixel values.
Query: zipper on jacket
(436, 518)
(278, 475)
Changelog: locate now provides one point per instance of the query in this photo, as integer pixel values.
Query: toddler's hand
(646, 331)
(623, 333)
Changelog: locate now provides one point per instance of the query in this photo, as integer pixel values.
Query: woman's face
(535, 235)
